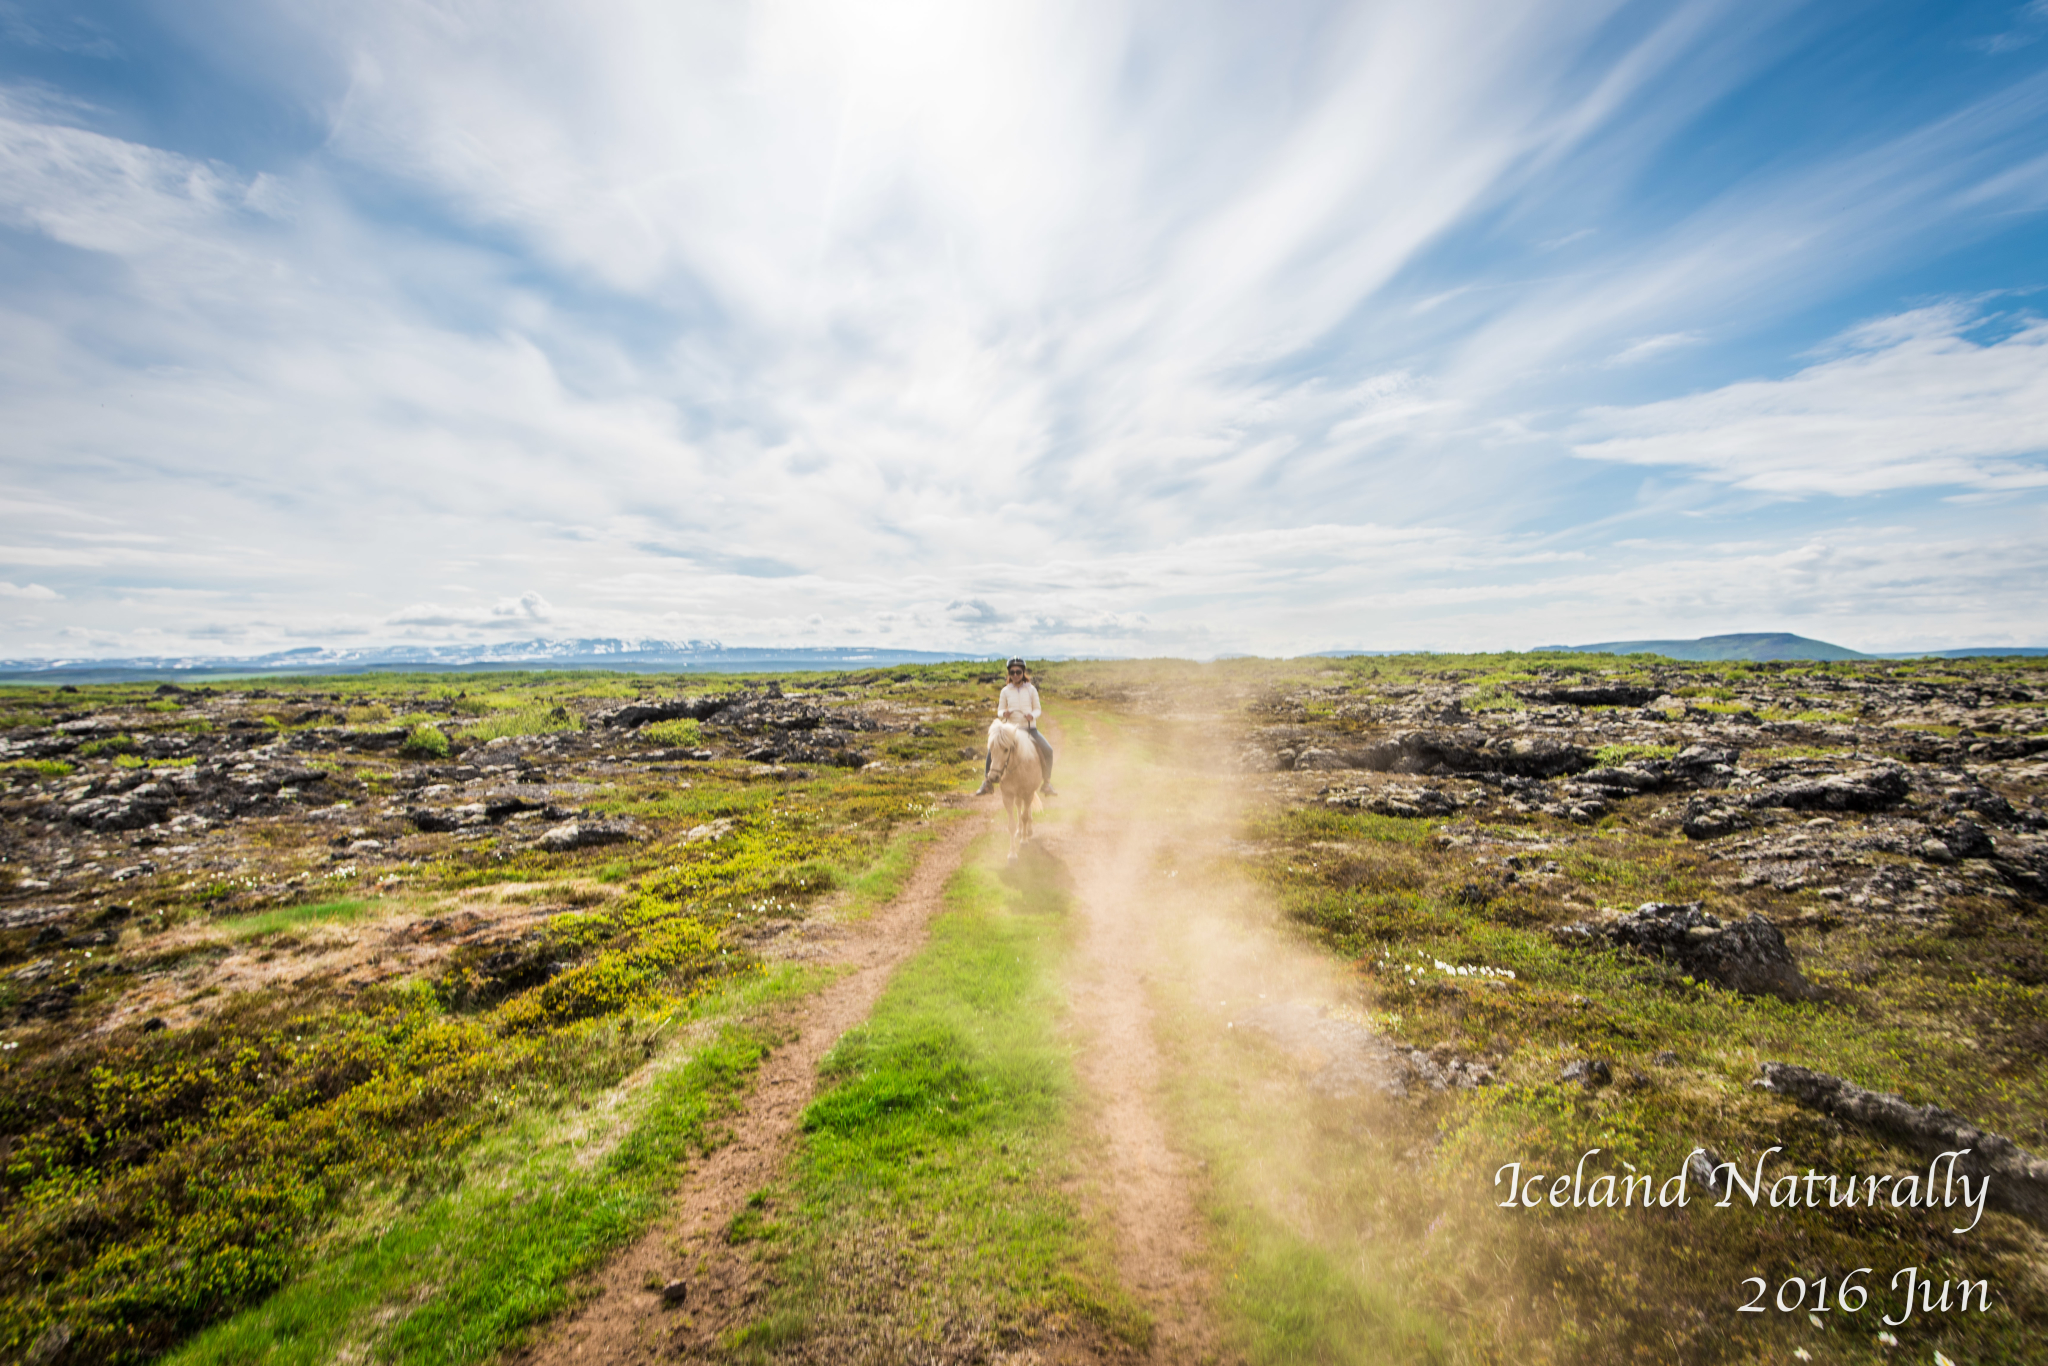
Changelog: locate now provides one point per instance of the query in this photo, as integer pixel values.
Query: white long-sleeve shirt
(1018, 697)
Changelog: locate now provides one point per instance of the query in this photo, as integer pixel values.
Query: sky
(1106, 328)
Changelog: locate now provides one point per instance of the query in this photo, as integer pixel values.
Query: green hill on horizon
(1765, 645)
(1745, 645)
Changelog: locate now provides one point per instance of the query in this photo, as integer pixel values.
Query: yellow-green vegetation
(460, 1274)
(112, 744)
(299, 917)
(1809, 715)
(249, 1159)
(536, 719)
(41, 768)
(1493, 697)
(944, 1149)
(683, 732)
(1929, 1014)
(427, 742)
(1779, 753)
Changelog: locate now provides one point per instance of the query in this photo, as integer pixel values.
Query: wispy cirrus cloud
(1912, 403)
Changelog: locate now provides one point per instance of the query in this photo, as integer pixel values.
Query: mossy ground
(156, 1181)
(226, 1181)
(1948, 1010)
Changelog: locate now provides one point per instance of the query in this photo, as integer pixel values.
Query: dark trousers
(1044, 747)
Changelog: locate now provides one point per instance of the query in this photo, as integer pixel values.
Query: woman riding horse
(1018, 705)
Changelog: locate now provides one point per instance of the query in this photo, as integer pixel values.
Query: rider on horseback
(1018, 704)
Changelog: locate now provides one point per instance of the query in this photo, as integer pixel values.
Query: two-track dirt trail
(1150, 924)
(1114, 847)
(624, 1320)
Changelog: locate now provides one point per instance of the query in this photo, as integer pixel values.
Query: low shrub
(684, 733)
(426, 741)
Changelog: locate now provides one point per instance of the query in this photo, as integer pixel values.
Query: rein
(996, 778)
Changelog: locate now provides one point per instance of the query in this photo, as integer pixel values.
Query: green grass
(1775, 753)
(944, 1142)
(460, 1274)
(1929, 1014)
(427, 742)
(536, 719)
(41, 768)
(683, 733)
(296, 917)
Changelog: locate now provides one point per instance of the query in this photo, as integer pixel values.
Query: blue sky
(1092, 328)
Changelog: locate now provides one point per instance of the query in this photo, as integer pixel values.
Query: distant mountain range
(709, 656)
(1768, 645)
(663, 656)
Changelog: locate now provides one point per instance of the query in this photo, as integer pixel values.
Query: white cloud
(1648, 348)
(33, 591)
(1067, 321)
(1913, 404)
(521, 614)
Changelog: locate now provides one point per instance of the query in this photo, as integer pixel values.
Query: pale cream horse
(1014, 769)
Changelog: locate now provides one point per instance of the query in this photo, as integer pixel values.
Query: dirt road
(1121, 835)
(625, 1320)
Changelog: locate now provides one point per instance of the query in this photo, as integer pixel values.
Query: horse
(1014, 767)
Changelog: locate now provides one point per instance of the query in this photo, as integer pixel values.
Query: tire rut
(622, 1317)
(1148, 1184)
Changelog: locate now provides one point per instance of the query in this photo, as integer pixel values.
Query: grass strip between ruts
(932, 1198)
(461, 1276)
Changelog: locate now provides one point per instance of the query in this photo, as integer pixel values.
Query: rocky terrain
(271, 950)
(153, 806)
(1883, 790)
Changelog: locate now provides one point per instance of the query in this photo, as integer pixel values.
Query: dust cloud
(1251, 1151)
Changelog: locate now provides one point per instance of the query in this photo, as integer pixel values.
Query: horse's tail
(1037, 802)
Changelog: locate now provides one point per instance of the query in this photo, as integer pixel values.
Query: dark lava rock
(1603, 695)
(1749, 956)
(1966, 839)
(2022, 1185)
(1626, 779)
(119, 811)
(52, 1004)
(1869, 789)
(1706, 765)
(665, 709)
(21, 917)
(1459, 751)
(1975, 797)
(583, 834)
(1706, 820)
(1591, 1073)
(498, 808)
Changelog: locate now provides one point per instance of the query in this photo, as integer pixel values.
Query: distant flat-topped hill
(1746, 645)
(1771, 645)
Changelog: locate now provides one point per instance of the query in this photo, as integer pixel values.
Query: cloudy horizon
(1106, 329)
